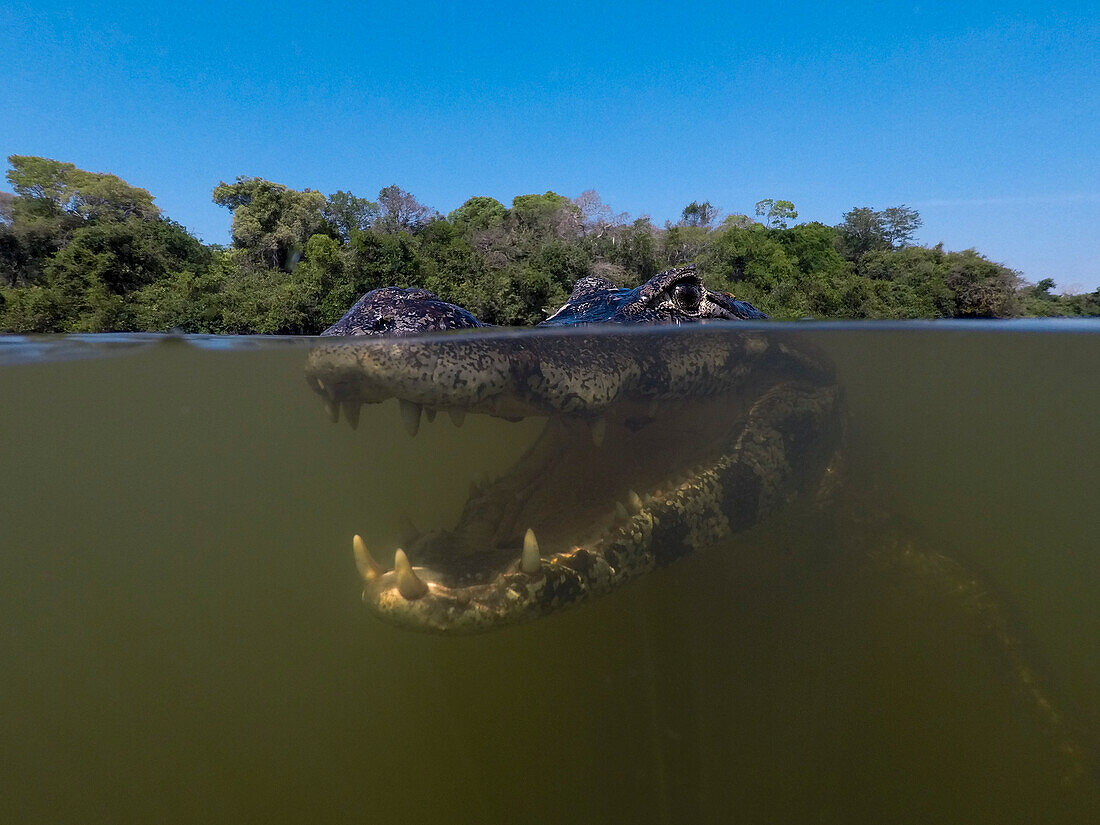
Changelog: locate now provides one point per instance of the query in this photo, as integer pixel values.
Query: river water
(182, 638)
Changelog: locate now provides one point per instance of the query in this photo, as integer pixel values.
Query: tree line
(87, 252)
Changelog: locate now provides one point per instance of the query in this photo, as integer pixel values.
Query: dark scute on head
(672, 297)
(594, 301)
(679, 296)
(589, 286)
(401, 312)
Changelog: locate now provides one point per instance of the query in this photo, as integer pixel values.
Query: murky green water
(183, 641)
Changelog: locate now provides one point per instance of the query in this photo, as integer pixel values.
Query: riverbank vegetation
(88, 252)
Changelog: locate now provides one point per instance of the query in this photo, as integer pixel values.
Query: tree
(775, 213)
(545, 214)
(271, 221)
(478, 214)
(861, 232)
(597, 216)
(983, 289)
(911, 279)
(52, 200)
(636, 249)
(738, 220)
(698, 214)
(48, 188)
(751, 263)
(865, 230)
(812, 248)
(399, 211)
(346, 214)
(899, 223)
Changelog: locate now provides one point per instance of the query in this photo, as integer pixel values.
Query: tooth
(530, 561)
(368, 567)
(410, 415)
(429, 413)
(620, 511)
(351, 413)
(599, 430)
(333, 410)
(633, 502)
(457, 417)
(408, 585)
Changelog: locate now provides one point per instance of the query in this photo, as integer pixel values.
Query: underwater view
(907, 632)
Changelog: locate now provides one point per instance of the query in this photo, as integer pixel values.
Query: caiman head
(658, 442)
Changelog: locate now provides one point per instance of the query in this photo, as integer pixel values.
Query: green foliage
(478, 214)
(270, 221)
(865, 230)
(546, 214)
(911, 280)
(347, 214)
(184, 300)
(982, 288)
(46, 188)
(861, 232)
(698, 214)
(636, 248)
(84, 251)
(899, 223)
(752, 264)
(775, 213)
(399, 211)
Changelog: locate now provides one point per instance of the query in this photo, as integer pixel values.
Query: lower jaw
(639, 533)
(686, 501)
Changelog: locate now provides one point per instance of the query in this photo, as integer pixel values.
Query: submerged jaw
(456, 592)
(530, 586)
(705, 438)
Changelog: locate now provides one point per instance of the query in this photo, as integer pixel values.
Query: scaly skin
(657, 444)
(699, 435)
(729, 423)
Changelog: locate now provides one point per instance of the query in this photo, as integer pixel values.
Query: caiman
(657, 443)
(654, 446)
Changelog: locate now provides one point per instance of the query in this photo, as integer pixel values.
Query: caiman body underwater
(657, 443)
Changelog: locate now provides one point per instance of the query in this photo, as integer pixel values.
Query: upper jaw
(543, 372)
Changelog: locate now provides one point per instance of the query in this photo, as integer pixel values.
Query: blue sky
(984, 117)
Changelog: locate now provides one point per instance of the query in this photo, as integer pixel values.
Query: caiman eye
(687, 296)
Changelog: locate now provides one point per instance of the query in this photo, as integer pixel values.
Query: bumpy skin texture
(656, 444)
(397, 312)
(676, 296)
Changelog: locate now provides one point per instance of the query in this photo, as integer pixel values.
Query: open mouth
(656, 444)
